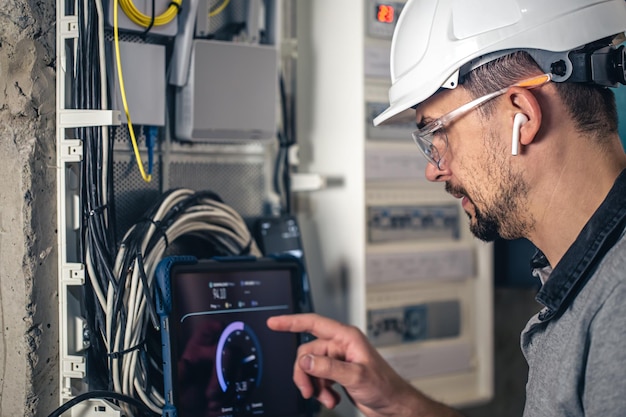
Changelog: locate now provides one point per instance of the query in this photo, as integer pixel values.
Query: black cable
(277, 180)
(145, 32)
(285, 114)
(287, 181)
(146, 290)
(98, 371)
(98, 228)
(282, 173)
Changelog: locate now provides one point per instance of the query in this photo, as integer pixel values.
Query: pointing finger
(315, 324)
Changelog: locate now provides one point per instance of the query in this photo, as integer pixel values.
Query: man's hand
(342, 354)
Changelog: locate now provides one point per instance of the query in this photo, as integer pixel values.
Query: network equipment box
(231, 93)
(143, 72)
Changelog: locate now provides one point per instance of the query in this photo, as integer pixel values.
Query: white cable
(92, 277)
(127, 359)
(115, 373)
(206, 217)
(148, 402)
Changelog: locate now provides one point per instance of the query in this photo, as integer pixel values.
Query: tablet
(219, 357)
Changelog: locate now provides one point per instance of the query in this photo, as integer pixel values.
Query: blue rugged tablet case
(164, 308)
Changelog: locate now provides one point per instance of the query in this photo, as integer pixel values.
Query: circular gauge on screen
(238, 360)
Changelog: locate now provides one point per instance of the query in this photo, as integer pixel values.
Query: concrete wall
(28, 286)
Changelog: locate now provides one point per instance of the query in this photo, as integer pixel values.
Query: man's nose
(435, 174)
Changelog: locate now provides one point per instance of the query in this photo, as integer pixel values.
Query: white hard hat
(434, 39)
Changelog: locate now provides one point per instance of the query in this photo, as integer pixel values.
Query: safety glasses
(432, 139)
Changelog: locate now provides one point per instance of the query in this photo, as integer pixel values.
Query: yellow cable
(148, 177)
(141, 19)
(219, 9)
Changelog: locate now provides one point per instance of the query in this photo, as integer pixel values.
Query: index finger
(319, 326)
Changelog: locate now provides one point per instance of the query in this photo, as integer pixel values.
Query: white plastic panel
(401, 282)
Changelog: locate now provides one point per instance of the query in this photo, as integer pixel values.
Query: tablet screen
(225, 360)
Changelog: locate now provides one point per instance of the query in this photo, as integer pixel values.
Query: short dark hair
(592, 107)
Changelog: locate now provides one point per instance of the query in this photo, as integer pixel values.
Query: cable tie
(116, 355)
(97, 210)
(246, 249)
(175, 4)
(159, 227)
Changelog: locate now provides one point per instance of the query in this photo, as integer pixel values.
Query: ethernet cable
(144, 176)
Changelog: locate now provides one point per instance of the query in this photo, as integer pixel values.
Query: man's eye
(439, 133)
(423, 123)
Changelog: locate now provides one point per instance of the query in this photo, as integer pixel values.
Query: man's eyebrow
(423, 121)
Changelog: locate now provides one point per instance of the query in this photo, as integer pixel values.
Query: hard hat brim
(395, 115)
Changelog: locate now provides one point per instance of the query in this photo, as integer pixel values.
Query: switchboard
(396, 247)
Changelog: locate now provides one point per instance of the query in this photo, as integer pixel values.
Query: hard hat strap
(604, 66)
(599, 63)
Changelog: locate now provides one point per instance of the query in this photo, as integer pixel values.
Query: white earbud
(518, 121)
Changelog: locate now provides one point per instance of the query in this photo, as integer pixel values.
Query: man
(514, 117)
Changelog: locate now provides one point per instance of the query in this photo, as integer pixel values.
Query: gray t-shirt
(576, 346)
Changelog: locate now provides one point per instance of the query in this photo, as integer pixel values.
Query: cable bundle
(141, 19)
(128, 303)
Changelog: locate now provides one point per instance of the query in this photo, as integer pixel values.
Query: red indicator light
(385, 13)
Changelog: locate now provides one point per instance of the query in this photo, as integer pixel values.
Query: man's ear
(525, 116)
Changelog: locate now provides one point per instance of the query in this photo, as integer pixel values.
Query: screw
(558, 68)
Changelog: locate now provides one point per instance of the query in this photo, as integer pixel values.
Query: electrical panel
(108, 165)
(396, 247)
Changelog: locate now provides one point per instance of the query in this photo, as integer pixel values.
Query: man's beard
(485, 227)
(501, 219)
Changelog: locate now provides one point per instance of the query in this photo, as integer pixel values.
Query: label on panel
(412, 222)
(388, 163)
(437, 359)
(406, 324)
(441, 265)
